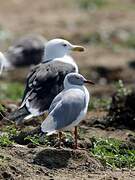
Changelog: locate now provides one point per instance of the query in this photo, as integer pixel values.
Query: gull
(25, 51)
(45, 80)
(69, 107)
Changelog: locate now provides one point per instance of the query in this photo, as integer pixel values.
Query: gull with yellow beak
(45, 80)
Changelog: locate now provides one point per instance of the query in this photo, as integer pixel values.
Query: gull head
(75, 79)
(58, 48)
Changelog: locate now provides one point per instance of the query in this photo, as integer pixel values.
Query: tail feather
(48, 125)
(19, 115)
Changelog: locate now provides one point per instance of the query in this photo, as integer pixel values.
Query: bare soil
(40, 163)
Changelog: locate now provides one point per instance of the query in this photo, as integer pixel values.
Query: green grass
(105, 4)
(105, 102)
(121, 90)
(10, 130)
(6, 137)
(91, 4)
(113, 153)
(5, 140)
(99, 103)
(12, 90)
(130, 42)
(4, 34)
(33, 139)
(1, 108)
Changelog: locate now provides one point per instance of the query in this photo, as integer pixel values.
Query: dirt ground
(33, 163)
(21, 166)
(103, 61)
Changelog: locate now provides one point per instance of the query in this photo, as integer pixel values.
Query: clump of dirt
(20, 162)
(66, 158)
(122, 111)
(131, 64)
(106, 75)
(110, 74)
(21, 138)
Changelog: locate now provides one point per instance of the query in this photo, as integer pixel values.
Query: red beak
(89, 82)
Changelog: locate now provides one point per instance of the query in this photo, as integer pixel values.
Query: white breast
(69, 60)
(83, 112)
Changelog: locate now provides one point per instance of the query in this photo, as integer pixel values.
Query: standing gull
(69, 107)
(26, 51)
(45, 80)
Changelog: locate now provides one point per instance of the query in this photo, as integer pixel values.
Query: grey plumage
(68, 108)
(66, 103)
(26, 51)
(44, 82)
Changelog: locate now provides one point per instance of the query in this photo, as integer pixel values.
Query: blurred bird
(26, 51)
(45, 80)
(3, 62)
(69, 107)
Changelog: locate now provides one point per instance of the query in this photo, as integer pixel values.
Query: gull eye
(64, 45)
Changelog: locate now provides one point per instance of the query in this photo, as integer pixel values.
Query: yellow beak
(78, 48)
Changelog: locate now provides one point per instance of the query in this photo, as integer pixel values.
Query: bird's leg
(60, 137)
(75, 137)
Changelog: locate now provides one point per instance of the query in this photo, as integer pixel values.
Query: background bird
(69, 107)
(24, 52)
(45, 80)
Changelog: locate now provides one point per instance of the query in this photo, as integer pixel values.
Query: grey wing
(55, 101)
(65, 112)
(28, 88)
(43, 84)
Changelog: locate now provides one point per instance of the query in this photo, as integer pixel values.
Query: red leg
(75, 136)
